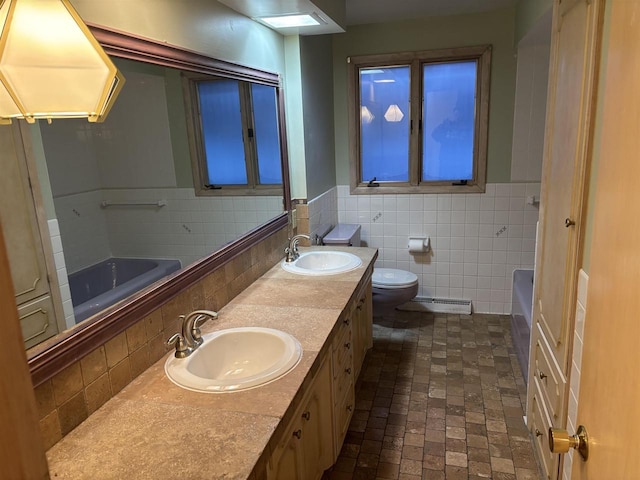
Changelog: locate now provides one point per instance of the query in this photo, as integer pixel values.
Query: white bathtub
(101, 285)
(521, 310)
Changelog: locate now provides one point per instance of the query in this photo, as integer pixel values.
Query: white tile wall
(576, 366)
(83, 229)
(187, 228)
(61, 271)
(477, 240)
(323, 209)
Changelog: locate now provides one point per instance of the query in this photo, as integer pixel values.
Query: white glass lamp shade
(366, 115)
(393, 114)
(51, 66)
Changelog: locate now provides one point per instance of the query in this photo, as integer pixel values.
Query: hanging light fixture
(366, 115)
(51, 66)
(393, 113)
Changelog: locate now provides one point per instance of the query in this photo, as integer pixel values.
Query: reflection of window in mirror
(235, 137)
(119, 199)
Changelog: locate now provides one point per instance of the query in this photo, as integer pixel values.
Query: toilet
(391, 287)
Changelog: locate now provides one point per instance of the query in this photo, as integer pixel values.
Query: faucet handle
(197, 323)
(182, 350)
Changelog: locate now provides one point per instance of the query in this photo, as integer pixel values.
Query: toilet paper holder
(418, 245)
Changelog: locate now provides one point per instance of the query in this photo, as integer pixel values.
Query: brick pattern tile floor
(440, 397)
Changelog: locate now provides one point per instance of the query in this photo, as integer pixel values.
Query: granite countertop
(154, 429)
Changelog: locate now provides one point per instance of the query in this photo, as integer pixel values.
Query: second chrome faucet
(191, 337)
(291, 251)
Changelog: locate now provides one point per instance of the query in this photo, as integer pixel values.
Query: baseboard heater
(437, 305)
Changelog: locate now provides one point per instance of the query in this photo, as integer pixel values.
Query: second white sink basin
(323, 262)
(235, 359)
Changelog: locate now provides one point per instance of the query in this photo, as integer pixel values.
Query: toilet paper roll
(417, 245)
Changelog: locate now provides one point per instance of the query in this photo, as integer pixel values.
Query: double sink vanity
(269, 394)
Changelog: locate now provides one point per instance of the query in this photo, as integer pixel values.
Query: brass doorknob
(560, 441)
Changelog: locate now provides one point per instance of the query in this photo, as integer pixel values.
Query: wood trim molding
(133, 47)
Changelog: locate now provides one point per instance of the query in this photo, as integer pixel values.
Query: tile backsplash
(477, 240)
(72, 395)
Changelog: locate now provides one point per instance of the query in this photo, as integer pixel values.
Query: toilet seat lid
(393, 278)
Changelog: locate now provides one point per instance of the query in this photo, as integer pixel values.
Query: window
(235, 136)
(439, 146)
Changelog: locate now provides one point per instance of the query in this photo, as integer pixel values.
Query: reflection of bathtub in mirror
(101, 285)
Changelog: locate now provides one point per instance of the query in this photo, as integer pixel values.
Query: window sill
(418, 189)
(235, 192)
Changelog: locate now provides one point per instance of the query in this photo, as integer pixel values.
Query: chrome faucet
(191, 337)
(291, 251)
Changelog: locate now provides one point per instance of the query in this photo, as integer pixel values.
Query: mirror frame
(54, 355)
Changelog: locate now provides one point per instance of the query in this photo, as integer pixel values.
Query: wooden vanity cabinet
(350, 346)
(362, 327)
(305, 449)
(312, 440)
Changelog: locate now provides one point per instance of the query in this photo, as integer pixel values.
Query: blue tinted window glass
(265, 119)
(384, 123)
(222, 132)
(448, 121)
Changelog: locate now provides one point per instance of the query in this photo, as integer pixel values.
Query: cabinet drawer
(539, 426)
(343, 380)
(342, 414)
(342, 353)
(37, 321)
(343, 331)
(552, 382)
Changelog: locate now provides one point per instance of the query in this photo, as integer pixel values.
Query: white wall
(531, 103)
(133, 146)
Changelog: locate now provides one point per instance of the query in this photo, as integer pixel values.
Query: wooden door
(571, 87)
(609, 404)
(21, 450)
(19, 220)
(576, 36)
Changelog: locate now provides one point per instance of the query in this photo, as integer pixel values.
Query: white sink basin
(235, 359)
(323, 262)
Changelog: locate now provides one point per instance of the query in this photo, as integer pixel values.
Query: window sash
(416, 60)
(199, 162)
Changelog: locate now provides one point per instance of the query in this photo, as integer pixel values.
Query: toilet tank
(345, 234)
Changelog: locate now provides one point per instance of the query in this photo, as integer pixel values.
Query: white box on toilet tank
(345, 234)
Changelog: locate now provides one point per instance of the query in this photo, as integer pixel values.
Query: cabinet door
(306, 448)
(573, 71)
(286, 458)
(569, 111)
(37, 321)
(362, 328)
(19, 221)
(317, 430)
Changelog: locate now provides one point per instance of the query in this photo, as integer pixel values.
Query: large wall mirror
(147, 194)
